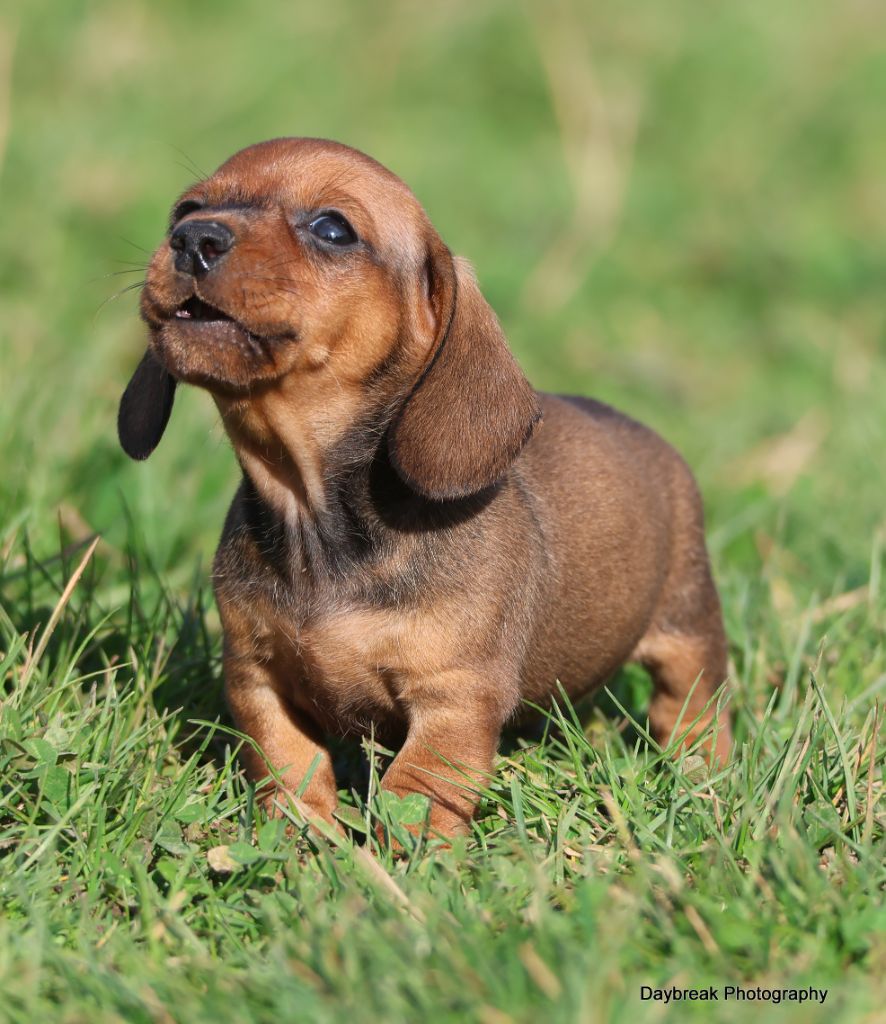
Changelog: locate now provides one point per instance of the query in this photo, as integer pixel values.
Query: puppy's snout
(199, 245)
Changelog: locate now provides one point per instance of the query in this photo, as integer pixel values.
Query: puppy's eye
(333, 229)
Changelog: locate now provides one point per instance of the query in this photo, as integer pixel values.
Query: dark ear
(472, 409)
(145, 407)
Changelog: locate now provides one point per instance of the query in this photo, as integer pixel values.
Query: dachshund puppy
(420, 541)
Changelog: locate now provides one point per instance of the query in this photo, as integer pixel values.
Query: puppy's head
(302, 259)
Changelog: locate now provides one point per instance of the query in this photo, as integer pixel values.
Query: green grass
(675, 209)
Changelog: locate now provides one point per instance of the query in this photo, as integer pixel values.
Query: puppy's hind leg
(687, 671)
(685, 648)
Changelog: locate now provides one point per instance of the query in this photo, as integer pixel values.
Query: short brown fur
(421, 542)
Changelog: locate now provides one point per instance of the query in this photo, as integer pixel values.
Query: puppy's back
(611, 496)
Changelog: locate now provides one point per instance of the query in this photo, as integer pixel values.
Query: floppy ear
(145, 407)
(472, 410)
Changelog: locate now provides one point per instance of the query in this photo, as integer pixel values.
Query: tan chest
(354, 663)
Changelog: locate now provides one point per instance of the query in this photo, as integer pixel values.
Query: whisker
(272, 280)
(285, 262)
(140, 248)
(279, 293)
(119, 273)
(114, 273)
(192, 168)
(116, 295)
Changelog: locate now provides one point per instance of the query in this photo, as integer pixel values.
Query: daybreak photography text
(733, 993)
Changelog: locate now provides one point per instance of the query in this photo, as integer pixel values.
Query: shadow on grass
(597, 713)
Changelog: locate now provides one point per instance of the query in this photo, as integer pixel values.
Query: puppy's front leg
(290, 741)
(449, 750)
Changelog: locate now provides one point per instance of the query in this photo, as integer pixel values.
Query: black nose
(199, 245)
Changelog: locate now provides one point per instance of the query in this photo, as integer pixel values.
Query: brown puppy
(420, 540)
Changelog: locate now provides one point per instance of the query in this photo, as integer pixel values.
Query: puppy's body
(408, 552)
(590, 552)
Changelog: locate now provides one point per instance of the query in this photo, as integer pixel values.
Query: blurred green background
(680, 210)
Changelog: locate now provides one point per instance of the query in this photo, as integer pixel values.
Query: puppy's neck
(283, 437)
(319, 499)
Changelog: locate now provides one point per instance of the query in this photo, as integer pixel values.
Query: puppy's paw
(319, 814)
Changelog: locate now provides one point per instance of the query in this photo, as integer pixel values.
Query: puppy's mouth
(198, 311)
(201, 343)
(196, 331)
